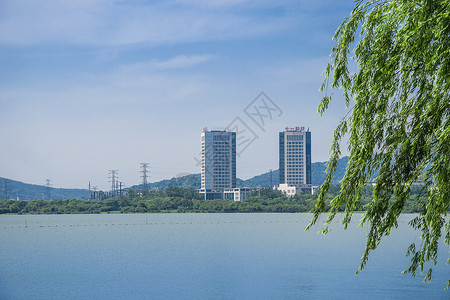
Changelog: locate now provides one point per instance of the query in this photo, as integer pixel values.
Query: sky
(89, 86)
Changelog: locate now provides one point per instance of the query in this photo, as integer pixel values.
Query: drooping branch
(398, 125)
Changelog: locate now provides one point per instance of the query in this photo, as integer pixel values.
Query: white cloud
(100, 22)
(182, 61)
(76, 133)
(72, 118)
(177, 62)
(213, 3)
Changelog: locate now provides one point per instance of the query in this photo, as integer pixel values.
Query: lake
(204, 256)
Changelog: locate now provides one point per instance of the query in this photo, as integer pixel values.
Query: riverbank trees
(186, 200)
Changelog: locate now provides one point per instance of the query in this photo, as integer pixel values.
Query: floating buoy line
(26, 226)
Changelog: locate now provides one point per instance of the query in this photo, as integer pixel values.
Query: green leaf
(399, 124)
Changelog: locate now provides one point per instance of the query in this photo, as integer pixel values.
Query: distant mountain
(190, 180)
(318, 173)
(24, 191)
(263, 180)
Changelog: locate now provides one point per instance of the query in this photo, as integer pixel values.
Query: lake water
(203, 256)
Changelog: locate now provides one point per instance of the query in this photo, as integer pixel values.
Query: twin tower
(218, 180)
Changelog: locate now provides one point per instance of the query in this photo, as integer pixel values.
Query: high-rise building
(295, 158)
(218, 159)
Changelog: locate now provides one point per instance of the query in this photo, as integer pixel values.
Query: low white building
(235, 194)
(292, 190)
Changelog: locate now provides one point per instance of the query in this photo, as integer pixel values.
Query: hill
(318, 173)
(191, 180)
(24, 191)
(13, 189)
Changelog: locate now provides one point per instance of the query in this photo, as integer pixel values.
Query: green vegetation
(15, 189)
(399, 122)
(12, 189)
(183, 200)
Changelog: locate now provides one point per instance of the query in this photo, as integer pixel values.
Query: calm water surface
(203, 256)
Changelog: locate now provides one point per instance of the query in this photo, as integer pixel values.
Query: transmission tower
(96, 193)
(121, 185)
(113, 176)
(144, 175)
(47, 188)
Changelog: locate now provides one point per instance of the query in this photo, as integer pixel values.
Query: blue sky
(93, 85)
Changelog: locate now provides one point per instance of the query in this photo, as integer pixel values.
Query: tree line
(188, 200)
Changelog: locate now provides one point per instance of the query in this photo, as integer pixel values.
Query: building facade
(218, 160)
(235, 194)
(295, 158)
